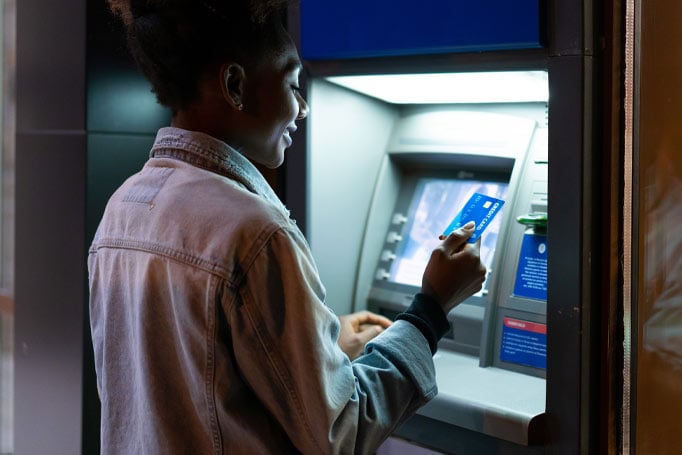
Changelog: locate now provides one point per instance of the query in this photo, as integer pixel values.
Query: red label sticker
(525, 325)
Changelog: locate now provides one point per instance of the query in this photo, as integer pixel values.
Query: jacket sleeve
(289, 356)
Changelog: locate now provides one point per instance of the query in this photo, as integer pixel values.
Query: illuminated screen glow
(446, 88)
(434, 204)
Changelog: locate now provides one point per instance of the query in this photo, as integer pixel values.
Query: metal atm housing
(367, 166)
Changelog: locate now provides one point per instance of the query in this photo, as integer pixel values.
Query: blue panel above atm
(361, 28)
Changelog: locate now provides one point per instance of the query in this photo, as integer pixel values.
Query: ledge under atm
(499, 403)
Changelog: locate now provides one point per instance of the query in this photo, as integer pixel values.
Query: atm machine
(386, 178)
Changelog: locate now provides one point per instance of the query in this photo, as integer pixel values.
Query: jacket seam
(283, 375)
(284, 379)
(211, 371)
(172, 253)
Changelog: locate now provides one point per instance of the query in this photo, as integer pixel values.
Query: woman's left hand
(359, 328)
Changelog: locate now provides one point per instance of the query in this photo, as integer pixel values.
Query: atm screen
(435, 202)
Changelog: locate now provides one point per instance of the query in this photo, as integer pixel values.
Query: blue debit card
(480, 209)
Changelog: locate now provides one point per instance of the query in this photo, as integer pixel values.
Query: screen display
(434, 204)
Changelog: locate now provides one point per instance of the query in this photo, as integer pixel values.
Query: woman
(207, 314)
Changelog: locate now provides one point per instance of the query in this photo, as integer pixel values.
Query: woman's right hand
(454, 271)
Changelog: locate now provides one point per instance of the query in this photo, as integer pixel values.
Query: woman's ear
(233, 78)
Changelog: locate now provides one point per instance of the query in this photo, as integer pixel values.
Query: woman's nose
(303, 108)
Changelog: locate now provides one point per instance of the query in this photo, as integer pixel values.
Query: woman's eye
(296, 88)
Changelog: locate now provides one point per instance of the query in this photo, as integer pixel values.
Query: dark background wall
(50, 197)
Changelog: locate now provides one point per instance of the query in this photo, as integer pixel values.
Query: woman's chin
(274, 162)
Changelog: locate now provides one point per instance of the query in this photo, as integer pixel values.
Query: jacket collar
(207, 152)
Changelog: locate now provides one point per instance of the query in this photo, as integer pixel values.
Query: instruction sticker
(480, 209)
(531, 275)
(524, 343)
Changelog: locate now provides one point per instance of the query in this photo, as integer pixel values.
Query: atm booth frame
(54, 129)
(577, 230)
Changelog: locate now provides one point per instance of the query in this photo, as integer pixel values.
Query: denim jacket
(209, 326)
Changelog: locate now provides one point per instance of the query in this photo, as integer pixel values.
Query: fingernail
(470, 225)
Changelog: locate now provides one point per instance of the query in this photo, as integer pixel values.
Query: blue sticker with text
(531, 275)
(524, 343)
(480, 209)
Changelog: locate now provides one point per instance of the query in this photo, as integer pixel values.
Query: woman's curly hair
(175, 41)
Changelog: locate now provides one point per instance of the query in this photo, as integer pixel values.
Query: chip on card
(480, 209)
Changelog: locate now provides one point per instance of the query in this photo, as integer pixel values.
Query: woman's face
(272, 105)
